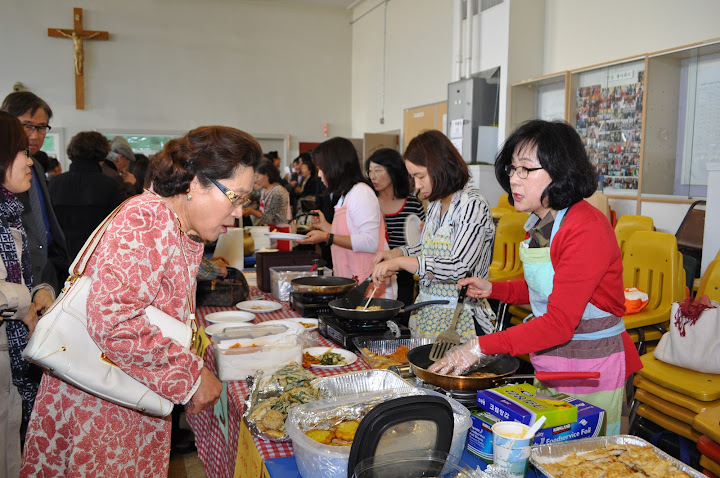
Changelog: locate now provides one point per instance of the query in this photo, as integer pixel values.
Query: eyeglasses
(522, 171)
(40, 128)
(235, 199)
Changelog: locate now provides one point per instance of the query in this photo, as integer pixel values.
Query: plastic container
(281, 279)
(412, 465)
(315, 460)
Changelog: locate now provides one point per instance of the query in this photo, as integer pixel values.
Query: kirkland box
(520, 403)
(590, 423)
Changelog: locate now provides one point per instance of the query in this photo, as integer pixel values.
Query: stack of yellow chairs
(628, 224)
(684, 401)
(652, 264)
(503, 207)
(509, 233)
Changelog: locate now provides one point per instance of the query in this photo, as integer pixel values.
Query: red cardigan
(588, 268)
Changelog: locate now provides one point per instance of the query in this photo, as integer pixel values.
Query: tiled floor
(186, 466)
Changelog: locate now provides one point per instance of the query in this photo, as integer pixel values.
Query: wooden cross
(78, 35)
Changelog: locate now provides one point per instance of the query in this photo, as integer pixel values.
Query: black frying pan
(389, 309)
(322, 284)
(502, 369)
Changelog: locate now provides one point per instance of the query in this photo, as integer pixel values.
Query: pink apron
(348, 263)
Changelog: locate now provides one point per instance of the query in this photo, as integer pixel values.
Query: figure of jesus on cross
(78, 35)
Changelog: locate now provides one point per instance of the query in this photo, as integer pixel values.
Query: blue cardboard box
(520, 403)
(591, 422)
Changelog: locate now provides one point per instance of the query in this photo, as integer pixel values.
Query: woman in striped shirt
(391, 182)
(456, 240)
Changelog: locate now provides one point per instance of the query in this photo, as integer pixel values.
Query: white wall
(261, 66)
(418, 63)
(581, 33)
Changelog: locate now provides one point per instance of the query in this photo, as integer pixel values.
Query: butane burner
(342, 331)
(311, 305)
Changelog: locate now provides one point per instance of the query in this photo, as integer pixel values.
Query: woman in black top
(390, 180)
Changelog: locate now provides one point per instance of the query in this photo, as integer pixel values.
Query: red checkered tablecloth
(219, 454)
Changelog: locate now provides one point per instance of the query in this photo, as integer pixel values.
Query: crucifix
(78, 35)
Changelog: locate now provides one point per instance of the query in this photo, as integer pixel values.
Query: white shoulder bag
(62, 345)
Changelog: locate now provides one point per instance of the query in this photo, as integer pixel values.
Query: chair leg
(633, 415)
(641, 341)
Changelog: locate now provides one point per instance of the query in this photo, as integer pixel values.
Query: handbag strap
(77, 268)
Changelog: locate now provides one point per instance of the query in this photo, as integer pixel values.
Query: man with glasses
(46, 241)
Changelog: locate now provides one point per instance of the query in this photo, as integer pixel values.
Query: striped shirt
(472, 234)
(396, 222)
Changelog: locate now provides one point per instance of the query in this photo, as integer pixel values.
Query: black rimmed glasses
(235, 199)
(40, 128)
(522, 171)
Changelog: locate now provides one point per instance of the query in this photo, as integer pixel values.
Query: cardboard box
(519, 403)
(591, 422)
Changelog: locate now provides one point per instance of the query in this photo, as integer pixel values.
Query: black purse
(223, 292)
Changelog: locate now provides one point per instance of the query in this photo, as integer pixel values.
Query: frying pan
(322, 284)
(502, 369)
(389, 309)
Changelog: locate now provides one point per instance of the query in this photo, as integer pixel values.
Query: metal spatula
(449, 337)
(355, 297)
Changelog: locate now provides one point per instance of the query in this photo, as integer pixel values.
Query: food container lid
(256, 335)
(404, 424)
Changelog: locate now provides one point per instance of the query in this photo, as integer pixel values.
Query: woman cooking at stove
(456, 240)
(573, 273)
(358, 231)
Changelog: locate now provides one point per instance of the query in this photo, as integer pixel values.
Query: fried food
(320, 436)
(346, 430)
(615, 461)
(342, 434)
(372, 307)
(398, 357)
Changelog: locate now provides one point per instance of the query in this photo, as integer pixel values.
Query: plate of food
(219, 328)
(259, 306)
(229, 317)
(286, 236)
(327, 357)
(309, 324)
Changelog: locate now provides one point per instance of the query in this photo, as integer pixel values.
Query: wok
(389, 309)
(322, 285)
(501, 370)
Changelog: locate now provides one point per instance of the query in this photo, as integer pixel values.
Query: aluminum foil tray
(556, 451)
(359, 382)
(385, 346)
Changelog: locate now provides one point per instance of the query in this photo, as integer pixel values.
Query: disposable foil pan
(555, 452)
(359, 382)
(386, 346)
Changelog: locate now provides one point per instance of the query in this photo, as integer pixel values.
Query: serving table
(224, 443)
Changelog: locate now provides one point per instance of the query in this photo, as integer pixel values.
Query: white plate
(218, 328)
(318, 351)
(297, 320)
(229, 317)
(259, 306)
(412, 230)
(286, 236)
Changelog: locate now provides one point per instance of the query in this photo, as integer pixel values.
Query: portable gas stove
(311, 305)
(468, 398)
(343, 331)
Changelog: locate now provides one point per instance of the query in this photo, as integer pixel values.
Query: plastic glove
(460, 359)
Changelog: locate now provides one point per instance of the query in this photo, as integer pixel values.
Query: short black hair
(307, 160)
(12, 140)
(271, 155)
(338, 160)
(88, 146)
(447, 169)
(560, 152)
(267, 168)
(395, 167)
(18, 103)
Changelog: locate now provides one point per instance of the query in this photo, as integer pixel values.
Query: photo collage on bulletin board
(609, 121)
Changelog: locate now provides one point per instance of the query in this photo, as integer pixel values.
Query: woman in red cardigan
(572, 273)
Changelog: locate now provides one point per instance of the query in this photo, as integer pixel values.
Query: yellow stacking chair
(710, 281)
(652, 264)
(503, 207)
(629, 224)
(509, 233)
